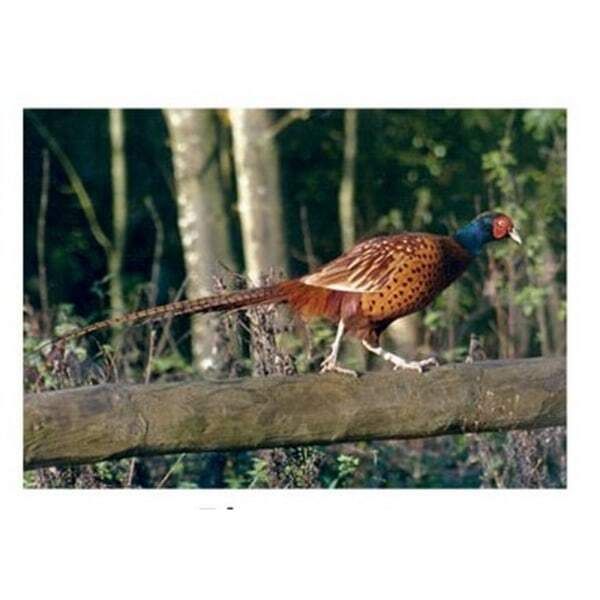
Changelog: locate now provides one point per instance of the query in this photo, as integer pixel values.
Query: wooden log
(89, 424)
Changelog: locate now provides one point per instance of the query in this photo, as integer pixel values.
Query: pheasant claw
(329, 365)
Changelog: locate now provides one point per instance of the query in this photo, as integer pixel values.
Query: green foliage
(496, 164)
(543, 122)
(434, 318)
(259, 473)
(529, 298)
(173, 362)
(347, 466)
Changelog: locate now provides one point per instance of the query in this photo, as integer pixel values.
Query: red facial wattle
(503, 227)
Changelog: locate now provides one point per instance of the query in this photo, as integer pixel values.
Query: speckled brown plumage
(364, 290)
(379, 281)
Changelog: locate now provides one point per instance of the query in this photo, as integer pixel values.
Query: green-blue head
(487, 227)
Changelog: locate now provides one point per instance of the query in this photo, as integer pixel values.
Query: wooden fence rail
(89, 424)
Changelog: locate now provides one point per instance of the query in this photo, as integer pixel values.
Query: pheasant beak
(514, 235)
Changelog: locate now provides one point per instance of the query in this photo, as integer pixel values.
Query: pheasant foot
(399, 362)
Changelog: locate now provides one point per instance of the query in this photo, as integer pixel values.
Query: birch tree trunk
(202, 217)
(346, 196)
(119, 216)
(259, 196)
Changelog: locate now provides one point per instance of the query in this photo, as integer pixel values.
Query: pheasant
(364, 290)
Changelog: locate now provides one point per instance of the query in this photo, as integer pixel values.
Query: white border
(306, 544)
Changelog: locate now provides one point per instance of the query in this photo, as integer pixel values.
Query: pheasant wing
(368, 267)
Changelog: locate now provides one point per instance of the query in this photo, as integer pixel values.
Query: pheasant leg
(399, 362)
(330, 362)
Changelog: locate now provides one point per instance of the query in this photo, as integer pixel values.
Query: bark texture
(202, 216)
(259, 196)
(119, 216)
(110, 421)
(347, 185)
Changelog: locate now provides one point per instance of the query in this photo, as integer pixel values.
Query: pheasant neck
(472, 237)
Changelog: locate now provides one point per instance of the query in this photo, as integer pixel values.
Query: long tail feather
(232, 301)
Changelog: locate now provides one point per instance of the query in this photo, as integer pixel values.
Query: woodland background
(130, 208)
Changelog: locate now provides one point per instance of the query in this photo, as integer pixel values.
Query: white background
(306, 544)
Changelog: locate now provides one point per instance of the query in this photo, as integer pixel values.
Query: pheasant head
(487, 227)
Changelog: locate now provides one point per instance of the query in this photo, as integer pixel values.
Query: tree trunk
(549, 280)
(41, 244)
(202, 217)
(353, 352)
(346, 196)
(259, 197)
(119, 217)
(403, 336)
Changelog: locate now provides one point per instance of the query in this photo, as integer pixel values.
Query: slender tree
(353, 350)
(119, 214)
(346, 195)
(41, 243)
(113, 249)
(259, 196)
(202, 216)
